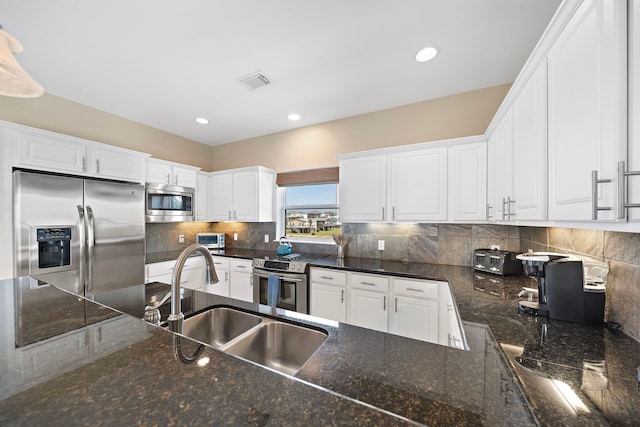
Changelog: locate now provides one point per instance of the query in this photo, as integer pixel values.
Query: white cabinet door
(158, 173)
(221, 194)
(241, 280)
(52, 153)
(222, 270)
(202, 190)
(633, 163)
(418, 185)
(415, 318)
(468, 182)
(328, 302)
(587, 111)
(184, 177)
(529, 158)
(501, 167)
(245, 196)
(368, 309)
(116, 164)
(363, 189)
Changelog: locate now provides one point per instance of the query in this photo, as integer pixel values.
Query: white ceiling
(165, 62)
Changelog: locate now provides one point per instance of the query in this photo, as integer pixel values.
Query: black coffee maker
(568, 288)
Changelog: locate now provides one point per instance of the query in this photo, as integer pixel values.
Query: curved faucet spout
(176, 316)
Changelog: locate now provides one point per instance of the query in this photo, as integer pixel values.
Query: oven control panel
(277, 265)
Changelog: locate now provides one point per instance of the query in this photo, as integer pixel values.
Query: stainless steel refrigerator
(82, 235)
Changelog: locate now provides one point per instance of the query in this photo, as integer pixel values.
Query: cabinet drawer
(369, 282)
(167, 267)
(221, 263)
(331, 277)
(416, 288)
(244, 266)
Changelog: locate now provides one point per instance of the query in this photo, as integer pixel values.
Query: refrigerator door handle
(91, 240)
(81, 245)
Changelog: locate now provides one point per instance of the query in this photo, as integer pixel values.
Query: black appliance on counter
(494, 261)
(568, 288)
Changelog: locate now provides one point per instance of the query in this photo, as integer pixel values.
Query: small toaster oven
(211, 240)
(493, 261)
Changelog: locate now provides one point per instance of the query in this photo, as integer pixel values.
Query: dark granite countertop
(569, 373)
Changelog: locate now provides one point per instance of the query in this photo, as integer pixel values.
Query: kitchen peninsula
(127, 373)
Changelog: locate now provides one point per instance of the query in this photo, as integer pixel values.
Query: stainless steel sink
(278, 345)
(219, 325)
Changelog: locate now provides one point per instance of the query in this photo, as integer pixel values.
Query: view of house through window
(312, 211)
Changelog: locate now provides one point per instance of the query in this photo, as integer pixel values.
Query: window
(311, 211)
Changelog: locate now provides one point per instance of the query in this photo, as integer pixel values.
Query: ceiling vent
(254, 80)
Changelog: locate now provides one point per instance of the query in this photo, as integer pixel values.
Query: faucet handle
(151, 315)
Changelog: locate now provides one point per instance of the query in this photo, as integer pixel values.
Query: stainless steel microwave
(169, 203)
(211, 240)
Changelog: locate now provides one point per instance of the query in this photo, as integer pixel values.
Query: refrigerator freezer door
(43, 206)
(114, 215)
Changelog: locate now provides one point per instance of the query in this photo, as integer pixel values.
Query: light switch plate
(266, 238)
(181, 238)
(381, 245)
(235, 236)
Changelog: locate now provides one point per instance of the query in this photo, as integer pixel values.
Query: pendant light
(14, 81)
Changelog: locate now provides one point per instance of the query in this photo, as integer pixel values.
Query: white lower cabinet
(192, 276)
(416, 311)
(413, 308)
(328, 294)
(241, 280)
(221, 288)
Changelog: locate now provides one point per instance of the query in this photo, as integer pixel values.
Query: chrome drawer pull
(415, 290)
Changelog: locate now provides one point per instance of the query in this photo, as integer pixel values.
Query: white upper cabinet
(633, 164)
(395, 187)
(202, 190)
(164, 172)
(418, 185)
(363, 189)
(529, 156)
(587, 101)
(245, 194)
(467, 187)
(518, 156)
(61, 153)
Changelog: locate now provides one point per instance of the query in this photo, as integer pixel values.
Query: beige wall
(60, 115)
(309, 147)
(316, 146)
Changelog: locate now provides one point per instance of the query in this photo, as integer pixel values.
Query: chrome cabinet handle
(415, 290)
(176, 179)
(235, 214)
(509, 201)
(594, 195)
(489, 207)
(326, 277)
(168, 178)
(97, 165)
(383, 213)
(504, 209)
(229, 214)
(396, 304)
(623, 190)
(384, 303)
(341, 296)
(367, 283)
(393, 213)
(84, 164)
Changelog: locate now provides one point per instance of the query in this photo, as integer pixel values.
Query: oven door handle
(286, 278)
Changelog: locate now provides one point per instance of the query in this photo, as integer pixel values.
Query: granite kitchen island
(111, 368)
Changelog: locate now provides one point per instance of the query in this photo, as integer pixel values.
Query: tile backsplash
(447, 244)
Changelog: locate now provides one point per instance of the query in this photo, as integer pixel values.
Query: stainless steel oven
(294, 283)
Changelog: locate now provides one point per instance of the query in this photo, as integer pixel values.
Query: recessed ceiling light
(202, 120)
(426, 54)
(293, 117)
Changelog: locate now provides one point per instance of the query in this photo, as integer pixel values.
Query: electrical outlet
(266, 238)
(181, 238)
(235, 236)
(495, 247)
(381, 245)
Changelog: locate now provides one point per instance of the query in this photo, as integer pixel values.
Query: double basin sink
(278, 345)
